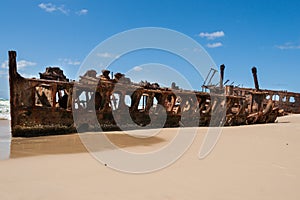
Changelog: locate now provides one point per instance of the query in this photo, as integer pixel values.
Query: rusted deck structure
(52, 104)
(287, 102)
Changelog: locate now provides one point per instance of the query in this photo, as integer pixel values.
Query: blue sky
(240, 34)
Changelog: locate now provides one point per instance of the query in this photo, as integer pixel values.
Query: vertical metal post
(254, 72)
(222, 67)
(12, 64)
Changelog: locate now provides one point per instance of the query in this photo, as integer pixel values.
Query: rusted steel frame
(13, 75)
(254, 72)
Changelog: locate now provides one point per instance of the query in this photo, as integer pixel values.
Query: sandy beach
(248, 162)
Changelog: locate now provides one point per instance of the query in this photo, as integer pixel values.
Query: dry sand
(248, 162)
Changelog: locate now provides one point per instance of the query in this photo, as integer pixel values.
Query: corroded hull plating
(44, 107)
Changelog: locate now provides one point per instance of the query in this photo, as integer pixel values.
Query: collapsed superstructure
(53, 105)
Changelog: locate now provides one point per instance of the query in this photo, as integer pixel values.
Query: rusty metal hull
(44, 107)
(287, 102)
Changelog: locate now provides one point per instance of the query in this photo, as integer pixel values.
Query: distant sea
(4, 109)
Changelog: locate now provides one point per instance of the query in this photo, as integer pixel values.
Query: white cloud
(74, 62)
(24, 63)
(213, 35)
(49, 7)
(28, 75)
(137, 68)
(82, 12)
(68, 61)
(288, 45)
(63, 9)
(214, 45)
(4, 65)
(107, 55)
(20, 64)
(197, 50)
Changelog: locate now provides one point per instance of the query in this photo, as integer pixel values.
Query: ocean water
(5, 140)
(5, 136)
(4, 109)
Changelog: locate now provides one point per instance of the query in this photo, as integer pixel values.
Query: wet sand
(4, 126)
(248, 162)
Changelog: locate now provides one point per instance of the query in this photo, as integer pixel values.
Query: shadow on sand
(72, 144)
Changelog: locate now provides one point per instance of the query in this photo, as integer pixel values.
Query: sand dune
(248, 162)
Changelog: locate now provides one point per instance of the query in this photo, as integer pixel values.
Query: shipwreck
(52, 104)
